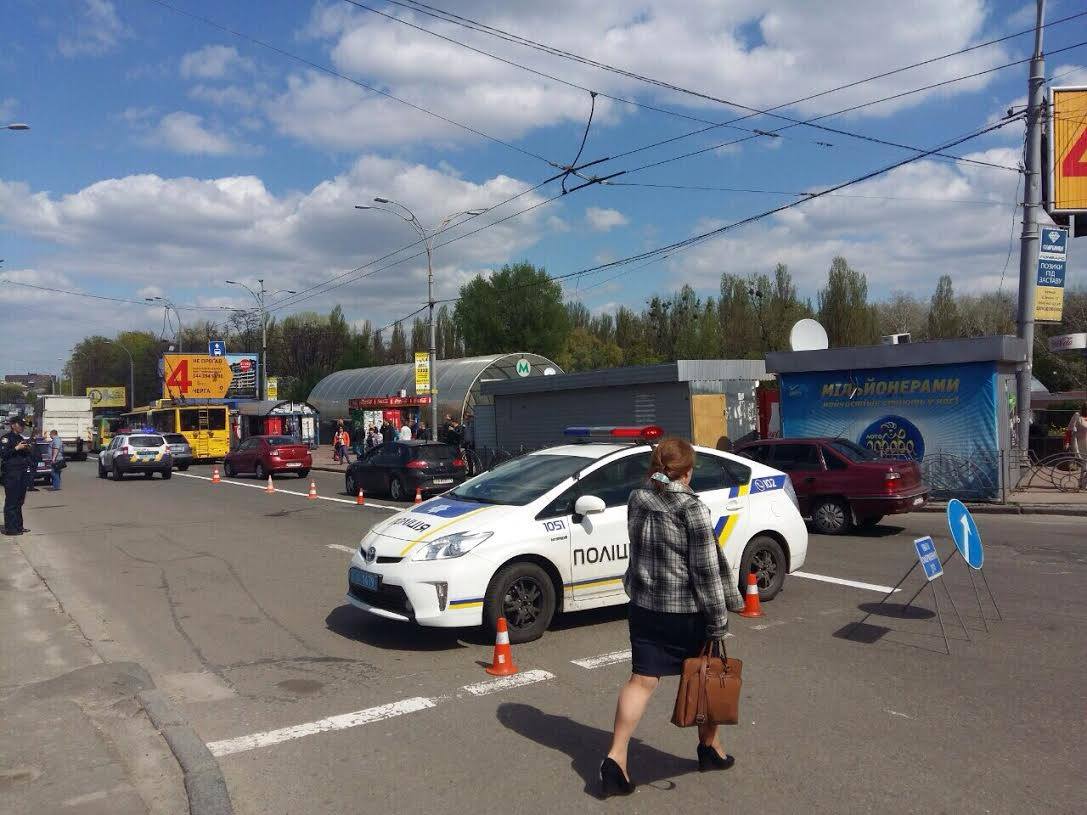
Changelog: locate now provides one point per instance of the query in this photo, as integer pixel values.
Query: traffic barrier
(271, 487)
(418, 495)
(502, 664)
(751, 598)
(361, 500)
(312, 491)
(215, 475)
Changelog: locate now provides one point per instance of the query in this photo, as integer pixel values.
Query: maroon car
(265, 455)
(839, 483)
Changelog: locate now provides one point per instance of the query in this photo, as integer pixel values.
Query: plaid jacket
(675, 564)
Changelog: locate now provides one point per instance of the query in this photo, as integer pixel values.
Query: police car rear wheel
(524, 595)
(765, 558)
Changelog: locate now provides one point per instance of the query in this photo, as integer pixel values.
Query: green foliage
(943, 313)
(843, 307)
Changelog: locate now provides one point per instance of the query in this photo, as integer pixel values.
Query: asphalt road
(233, 600)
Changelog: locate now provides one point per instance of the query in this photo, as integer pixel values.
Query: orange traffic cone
(418, 495)
(751, 598)
(361, 500)
(215, 475)
(502, 665)
(271, 487)
(312, 490)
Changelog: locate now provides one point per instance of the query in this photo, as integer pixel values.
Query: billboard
(422, 372)
(1068, 150)
(245, 381)
(1049, 283)
(194, 376)
(942, 415)
(107, 396)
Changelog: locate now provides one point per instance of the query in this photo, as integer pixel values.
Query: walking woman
(679, 598)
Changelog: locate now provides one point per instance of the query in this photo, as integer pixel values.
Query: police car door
(599, 545)
(724, 486)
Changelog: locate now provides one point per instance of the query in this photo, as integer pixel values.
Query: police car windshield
(521, 481)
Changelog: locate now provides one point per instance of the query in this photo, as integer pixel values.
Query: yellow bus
(205, 427)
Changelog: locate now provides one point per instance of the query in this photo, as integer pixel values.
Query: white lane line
(764, 626)
(604, 659)
(380, 713)
(341, 722)
(349, 549)
(839, 581)
(289, 492)
(506, 682)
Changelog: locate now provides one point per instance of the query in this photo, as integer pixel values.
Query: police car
(547, 533)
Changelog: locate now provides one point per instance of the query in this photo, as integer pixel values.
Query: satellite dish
(808, 335)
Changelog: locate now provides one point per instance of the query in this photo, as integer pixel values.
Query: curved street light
(427, 237)
(168, 306)
(131, 374)
(263, 311)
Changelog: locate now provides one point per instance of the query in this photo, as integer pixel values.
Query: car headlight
(791, 492)
(450, 546)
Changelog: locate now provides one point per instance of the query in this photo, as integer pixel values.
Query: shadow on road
(356, 625)
(584, 619)
(877, 531)
(586, 746)
(897, 611)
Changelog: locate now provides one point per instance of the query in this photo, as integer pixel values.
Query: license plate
(294, 463)
(442, 481)
(366, 579)
(918, 501)
(145, 455)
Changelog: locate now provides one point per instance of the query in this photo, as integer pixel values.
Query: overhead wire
(696, 188)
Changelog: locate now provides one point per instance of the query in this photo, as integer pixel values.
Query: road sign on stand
(216, 348)
(965, 533)
(928, 557)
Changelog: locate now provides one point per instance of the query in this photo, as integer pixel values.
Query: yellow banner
(1068, 136)
(272, 387)
(1048, 303)
(422, 373)
(191, 376)
(103, 397)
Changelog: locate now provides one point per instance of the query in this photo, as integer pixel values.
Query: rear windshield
(175, 438)
(145, 441)
(520, 481)
(280, 441)
(851, 451)
(436, 452)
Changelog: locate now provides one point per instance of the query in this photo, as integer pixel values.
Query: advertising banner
(1068, 149)
(244, 379)
(422, 372)
(194, 376)
(943, 415)
(1049, 285)
(104, 397)
(272, 388)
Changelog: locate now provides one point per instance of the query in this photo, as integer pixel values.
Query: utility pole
(1028, 251)
(262, 310)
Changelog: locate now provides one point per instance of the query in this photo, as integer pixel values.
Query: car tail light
(458, 462)
(890, 481)
(274, 452)
(417, 464)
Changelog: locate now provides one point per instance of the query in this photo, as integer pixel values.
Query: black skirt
(660, 641)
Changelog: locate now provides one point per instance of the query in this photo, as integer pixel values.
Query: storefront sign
(107, 397)
(1049, 285)
(387, 402)
(422, 372)
(1068, 342)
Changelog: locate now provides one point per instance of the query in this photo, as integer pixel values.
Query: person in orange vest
(341, 443)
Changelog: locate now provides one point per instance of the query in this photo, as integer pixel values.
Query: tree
(988, 314)
(901, 314)
(740, 330)
(398, 345)
(943, 313)
(843, 307)
(586, 352)
(519, 308)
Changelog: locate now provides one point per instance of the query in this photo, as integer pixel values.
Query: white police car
(547, 532)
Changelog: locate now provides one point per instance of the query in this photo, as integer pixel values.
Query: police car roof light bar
(646, 433)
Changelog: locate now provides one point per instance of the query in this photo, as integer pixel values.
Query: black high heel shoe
(612, 779)
(709, 759)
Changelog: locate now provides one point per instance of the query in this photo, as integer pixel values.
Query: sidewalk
(74, 736)
(1034, 501)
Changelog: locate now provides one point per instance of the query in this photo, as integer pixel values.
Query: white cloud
(604, 220)
(94, 31)
(186, 133)
(229, 96)
(214, 62)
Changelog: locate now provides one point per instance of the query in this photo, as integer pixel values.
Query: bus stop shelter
(270, 417)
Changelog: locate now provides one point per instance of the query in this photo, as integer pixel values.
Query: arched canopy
(456, 380)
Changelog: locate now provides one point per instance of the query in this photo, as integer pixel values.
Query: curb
(204, 782)
(1013, 509)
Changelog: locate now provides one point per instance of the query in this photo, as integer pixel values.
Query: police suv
(547, 532)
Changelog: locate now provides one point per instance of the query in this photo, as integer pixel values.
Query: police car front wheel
(524, 594)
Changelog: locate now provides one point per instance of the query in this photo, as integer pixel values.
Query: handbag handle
(713, 648)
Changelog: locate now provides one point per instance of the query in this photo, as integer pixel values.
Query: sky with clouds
(167, 154)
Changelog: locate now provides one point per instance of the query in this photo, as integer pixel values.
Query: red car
(265, 455)
(840, 484)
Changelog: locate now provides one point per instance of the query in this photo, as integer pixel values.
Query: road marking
(349, 549)
(839, 581)
(380, 713)
(262, 487)
(764, 626)
(604, 659)
(342, 722)
(506, 682)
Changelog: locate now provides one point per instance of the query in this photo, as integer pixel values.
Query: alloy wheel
(523, 602)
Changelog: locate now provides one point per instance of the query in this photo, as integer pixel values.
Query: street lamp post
(263, 311)
(131, 374)
(426, 236)
(168, 306)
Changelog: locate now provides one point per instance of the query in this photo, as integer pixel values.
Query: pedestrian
(680, 590)
(388, 432)
(15, 453)
(375, 438)
(423, 433)
(56, 458)
(468, 432)
(1077, 431)
(405, 432)
(337, 442)
(453, 435)
(345, 446)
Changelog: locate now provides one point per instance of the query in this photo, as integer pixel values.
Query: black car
(399, 468)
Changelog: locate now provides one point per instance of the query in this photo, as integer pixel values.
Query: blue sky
(166, 155)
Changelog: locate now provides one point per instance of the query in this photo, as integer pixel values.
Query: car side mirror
(587, 505)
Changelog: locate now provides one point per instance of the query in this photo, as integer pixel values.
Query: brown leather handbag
(709, 688)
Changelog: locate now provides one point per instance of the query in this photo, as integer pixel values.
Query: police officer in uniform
(15, 457)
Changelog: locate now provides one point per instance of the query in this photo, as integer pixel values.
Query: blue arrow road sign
(965, 532)
(929, 557)
(216, 348)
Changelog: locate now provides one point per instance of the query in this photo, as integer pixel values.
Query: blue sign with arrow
(216, 348)
(928, 557)
(965, 532)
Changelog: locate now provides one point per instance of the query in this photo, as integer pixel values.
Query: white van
(71, 417)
